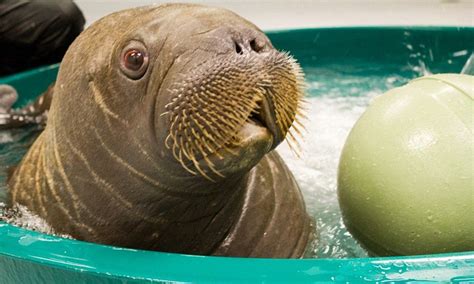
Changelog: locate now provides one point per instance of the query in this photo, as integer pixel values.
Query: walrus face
(228, 97)
(201, 90)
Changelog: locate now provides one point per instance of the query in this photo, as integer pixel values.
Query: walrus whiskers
(223, 118)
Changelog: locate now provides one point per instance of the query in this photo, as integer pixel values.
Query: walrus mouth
(263, 116)
(212, 106)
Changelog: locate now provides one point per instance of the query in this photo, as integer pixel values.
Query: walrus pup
(160, 137)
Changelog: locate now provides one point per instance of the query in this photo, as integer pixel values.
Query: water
(337, 96)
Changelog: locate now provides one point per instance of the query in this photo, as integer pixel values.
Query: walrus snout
(213, 102)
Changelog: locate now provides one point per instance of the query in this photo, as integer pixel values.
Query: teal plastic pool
(31, 257)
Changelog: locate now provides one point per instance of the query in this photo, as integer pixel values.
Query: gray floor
(280, 14)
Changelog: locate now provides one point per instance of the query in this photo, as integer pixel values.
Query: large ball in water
(405, 179)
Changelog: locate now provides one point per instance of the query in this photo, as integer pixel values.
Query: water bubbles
(383, 267)
(398, 264)
(463, 52)
(20, 216)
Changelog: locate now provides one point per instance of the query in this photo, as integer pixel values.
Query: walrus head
(199, 92)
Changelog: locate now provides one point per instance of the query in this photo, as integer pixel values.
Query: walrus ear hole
(134, 62)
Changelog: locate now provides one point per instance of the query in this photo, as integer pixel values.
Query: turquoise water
(337, 96)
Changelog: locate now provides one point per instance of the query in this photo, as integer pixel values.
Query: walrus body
(161, 133)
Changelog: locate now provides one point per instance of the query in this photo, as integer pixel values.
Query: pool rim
(114, 262)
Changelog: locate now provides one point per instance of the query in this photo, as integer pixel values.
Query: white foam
(20, 216)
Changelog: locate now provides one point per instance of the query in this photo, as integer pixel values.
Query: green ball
(405, 180)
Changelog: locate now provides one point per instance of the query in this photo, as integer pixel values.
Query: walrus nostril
(254, 46)
(238, 48)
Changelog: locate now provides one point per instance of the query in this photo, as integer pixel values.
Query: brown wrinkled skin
(101, 170)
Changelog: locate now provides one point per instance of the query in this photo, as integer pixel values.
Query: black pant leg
(36, 32)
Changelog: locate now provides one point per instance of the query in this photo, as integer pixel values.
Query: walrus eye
(134, 62)
(134, 59)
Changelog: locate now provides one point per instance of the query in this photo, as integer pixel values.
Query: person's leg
(36, 32)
